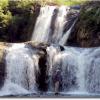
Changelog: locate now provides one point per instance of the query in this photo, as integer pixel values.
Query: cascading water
(43, 31)
(64, 39)
(81, 73)
(79, 68)
(29, 70)
(60, 23)
(21, 67)
(42, 27)
(93, 71)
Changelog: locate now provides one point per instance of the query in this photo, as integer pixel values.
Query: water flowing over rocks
(54, 24)
(29, 68)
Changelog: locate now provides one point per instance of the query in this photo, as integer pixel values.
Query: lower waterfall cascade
(79, 69)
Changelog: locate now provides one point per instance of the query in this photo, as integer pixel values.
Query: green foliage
(62, 2)
(5, 16)
(88, 26)
(69, 2)
(91, 17)
(22, 4)
(5, 19)
(3, 4)
(13, 15)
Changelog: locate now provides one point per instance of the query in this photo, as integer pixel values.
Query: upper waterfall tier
(54, 24)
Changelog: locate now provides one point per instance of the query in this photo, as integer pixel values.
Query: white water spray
(21, 67)
(60, 23)
(42, 27)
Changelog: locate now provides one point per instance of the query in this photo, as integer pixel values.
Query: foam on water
(21, 67)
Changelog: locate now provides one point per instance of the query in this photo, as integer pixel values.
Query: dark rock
(87, 28)
(36, 45)
(76, 7)
(41, 76)
(62, 48)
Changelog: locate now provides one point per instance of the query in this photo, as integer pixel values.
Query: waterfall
(64, 39)
(79, 68)
(52, 52)
(26, 66)
(21, 67)
(93, 71)
(60, 23)
(30, 66)
(42, 27)
(81, 73)
(51, 23)
(65, 61)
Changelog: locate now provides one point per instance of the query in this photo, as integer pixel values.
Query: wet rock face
(2, 69)
(38, 46)
(62, 48)
(41, 76)
(87, 29)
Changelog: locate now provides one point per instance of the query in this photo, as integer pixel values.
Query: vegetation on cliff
(16, 19)
(69, 2)
(87, 28)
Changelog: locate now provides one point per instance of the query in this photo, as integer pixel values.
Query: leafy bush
(14, 17)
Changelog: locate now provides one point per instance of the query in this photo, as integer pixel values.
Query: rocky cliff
(86, 32)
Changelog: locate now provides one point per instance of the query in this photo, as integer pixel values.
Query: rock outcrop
(86, 32)
(2, 64)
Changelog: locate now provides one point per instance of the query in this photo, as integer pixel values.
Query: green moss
(3, 4)
(70, 2)
(90, 17)
(87, 28)
(62, 2)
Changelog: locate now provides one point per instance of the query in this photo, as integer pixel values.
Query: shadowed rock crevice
(41, 76)
(2, 68)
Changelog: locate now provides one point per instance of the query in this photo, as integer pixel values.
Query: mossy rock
(87, 28)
